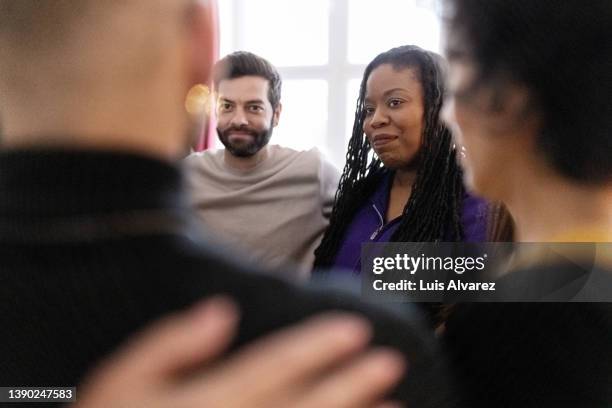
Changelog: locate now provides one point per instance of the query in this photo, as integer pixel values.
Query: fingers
(361, 383)
(310, 365)
(283, 362)
(180, 342)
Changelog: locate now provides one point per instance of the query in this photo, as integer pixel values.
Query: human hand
(175, 363)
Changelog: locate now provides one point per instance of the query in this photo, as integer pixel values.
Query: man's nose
(239, 118)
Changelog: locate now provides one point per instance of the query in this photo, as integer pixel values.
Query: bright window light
(321, 48)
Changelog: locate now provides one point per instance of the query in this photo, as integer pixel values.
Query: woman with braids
(411, 188)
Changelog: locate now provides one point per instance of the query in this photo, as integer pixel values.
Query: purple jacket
(368, 225)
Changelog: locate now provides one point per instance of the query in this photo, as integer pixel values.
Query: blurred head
(529, 85)
(110, 74)
(248, 102)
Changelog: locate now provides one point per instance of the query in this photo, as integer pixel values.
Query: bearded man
(273, 202)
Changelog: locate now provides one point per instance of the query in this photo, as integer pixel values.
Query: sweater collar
(56, 183)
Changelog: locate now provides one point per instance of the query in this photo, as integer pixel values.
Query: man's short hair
(243, 63)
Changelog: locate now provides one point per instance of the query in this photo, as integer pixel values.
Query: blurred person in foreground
(96, 239)
(529, 87)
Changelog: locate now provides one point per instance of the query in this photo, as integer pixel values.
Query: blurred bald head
(73, 35)
(100, 61)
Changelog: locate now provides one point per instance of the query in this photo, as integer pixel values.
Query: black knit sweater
(94, 245)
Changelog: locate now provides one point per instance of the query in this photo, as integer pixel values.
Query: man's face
(245, 117)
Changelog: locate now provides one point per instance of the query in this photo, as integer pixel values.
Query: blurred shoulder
(203, 159)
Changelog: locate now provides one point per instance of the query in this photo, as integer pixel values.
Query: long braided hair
(433, 212)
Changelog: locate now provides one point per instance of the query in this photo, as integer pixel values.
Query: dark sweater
(95, 245)
(536, 354)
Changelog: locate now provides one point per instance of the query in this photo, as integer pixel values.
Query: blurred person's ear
(514, 119)
(518, 116)
(204, 40)
(507, 109)
(514, 108)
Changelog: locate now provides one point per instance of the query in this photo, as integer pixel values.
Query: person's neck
(550, 208)
(404, 178)
(246, 163)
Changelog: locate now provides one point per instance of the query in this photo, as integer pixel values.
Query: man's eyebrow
(249, 102)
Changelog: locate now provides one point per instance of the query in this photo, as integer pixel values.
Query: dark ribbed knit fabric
(94, 245)
(534, 354)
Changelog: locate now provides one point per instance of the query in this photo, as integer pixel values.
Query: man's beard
(245, 149)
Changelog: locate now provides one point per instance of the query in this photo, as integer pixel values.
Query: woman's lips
(382, 139)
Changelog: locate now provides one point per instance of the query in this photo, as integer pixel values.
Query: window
(390, 24)
(304, 117)
(321, 48)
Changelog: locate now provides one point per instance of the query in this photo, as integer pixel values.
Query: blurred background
(321, 48)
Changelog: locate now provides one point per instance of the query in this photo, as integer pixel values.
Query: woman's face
(394, 115)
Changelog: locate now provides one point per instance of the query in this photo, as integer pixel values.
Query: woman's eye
(394, 103)
(368, 110)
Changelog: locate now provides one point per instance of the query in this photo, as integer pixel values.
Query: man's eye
(255, 108)
(226, 106)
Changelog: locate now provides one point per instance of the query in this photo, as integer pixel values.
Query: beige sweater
(275, 213)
